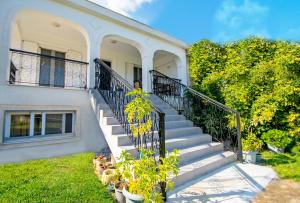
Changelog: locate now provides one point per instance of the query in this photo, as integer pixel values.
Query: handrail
(114, 89)
(205, 112)
(198, 93)
(128, 85)
(43, 55)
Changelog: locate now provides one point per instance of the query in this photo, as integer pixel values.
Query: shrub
(252, 143)
(257, 77)
(277, 138)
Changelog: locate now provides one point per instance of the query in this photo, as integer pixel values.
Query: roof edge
(98, 10)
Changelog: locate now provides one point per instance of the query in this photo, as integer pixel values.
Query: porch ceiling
(47, 29)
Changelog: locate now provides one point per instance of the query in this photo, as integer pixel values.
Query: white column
(31, 128)
(63, 127)
(182, 69)
(4, 50)
(43, 123)
(147, 65)
(94, 52)
(7, 125)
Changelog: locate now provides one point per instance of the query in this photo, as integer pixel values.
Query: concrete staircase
(199, 155)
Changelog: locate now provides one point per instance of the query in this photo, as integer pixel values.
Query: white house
(47, 68)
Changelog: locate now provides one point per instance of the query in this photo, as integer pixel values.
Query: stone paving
(233, 183)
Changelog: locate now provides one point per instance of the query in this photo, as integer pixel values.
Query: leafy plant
(257, 77)
(277, 138)
(252, 143)
(144, 175)
(137, 112)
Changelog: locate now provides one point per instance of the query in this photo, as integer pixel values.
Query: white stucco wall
(122, 62)
(88, 135)
(94, 27)
(167, 65)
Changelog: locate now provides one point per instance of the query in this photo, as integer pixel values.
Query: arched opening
(166, 73)
(123, 56)
(166, 63)
(47, 50)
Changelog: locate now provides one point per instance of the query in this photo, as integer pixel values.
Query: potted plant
(277, 140)
(123, 168)
(143, 176)
(99, 159)
(251, 145)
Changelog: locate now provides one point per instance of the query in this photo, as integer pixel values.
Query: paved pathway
(234, 183)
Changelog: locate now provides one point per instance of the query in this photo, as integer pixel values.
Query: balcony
(48, 69)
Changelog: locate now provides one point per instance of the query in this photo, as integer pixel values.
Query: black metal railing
(114, 89)
(216, 119)
(33, 69)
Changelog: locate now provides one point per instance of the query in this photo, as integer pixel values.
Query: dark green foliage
(257, 77)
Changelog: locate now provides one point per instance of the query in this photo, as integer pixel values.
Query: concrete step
(110, 120)
(170, 111)
(193, 153)
(176, 117)
(122, 139)
(203, 166)
(179, 143)
(178, 124)
(121, 136)
(187, 141)
(182, 132)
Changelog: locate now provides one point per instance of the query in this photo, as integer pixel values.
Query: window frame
(32, 113)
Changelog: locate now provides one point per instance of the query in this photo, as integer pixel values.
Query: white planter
(250, 157)
(278, 150)
(132, 198)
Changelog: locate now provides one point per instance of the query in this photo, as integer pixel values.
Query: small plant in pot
(123, 170)
(251, 145)
(277, 140)
(99, 159)
(144, 176)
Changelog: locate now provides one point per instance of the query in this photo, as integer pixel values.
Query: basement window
(38, 123)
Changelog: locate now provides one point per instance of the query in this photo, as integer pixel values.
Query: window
(52, 71)
(137, 76)
(19, 125)
(36, 123)
(69, 123)
(53, 124)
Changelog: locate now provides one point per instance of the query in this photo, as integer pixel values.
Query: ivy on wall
(259, 78)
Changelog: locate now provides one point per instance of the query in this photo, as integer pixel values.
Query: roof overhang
(100, 11)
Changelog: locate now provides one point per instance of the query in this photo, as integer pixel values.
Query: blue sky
(217, 20)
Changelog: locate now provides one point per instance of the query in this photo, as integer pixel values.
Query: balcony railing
(32, 69)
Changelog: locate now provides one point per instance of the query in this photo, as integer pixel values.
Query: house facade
(47, 69)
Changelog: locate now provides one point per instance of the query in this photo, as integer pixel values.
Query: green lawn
(64, 179)
(286, 165)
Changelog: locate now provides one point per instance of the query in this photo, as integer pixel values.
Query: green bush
(257, 77)
(277, 138)
(252, 143)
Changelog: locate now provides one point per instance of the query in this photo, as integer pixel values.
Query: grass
(63, 179)
(286, 165)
